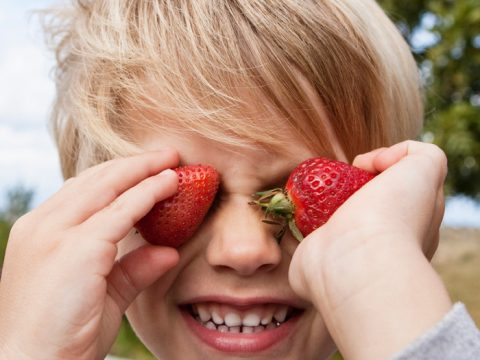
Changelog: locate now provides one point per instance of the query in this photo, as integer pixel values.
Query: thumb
(137, 270)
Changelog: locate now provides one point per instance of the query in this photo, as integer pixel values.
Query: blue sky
(27, 153)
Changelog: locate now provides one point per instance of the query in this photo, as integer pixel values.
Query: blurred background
(444, 36)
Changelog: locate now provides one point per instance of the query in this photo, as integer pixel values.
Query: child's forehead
(236, 165)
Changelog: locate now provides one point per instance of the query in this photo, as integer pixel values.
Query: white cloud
(28, 157)
(462, 211)
(27, 154)
(25, 87)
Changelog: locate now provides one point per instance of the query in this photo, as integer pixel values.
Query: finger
(430, 155)
(391, 155)
(137, 270)
(440, 208)
(95, 169)
(92, 191)
(365, 161)
(115, 221)
(433, 245)
(436, 222)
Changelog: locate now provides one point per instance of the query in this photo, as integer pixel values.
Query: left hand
(367, 270)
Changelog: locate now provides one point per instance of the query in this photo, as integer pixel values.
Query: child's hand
(62, 294)
(366, 270)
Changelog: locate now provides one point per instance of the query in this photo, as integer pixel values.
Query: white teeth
(232, 319)
(235, 329)
(281, 314)
(258, 328)
(223, 328)
(270, 326)
(267, 319)
(239, 329)
(203, 313)
(217, 319)
(263, 318)
(247, 329)
(210, 325)
(251, 319)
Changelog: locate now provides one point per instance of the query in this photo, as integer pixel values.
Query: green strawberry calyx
(279, 210)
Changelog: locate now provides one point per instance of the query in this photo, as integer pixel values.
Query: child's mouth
(254, 319)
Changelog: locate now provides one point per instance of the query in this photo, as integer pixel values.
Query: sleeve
(454, 337)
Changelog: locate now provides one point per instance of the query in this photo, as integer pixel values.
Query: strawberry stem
(295, 231)
(276, 205)
(274, 202)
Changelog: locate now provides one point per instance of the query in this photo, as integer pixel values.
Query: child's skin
(332, 71)
(363, 280)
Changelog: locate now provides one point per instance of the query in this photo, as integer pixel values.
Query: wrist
(381, 290)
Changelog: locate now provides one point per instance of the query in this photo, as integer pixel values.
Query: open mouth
(241, 320)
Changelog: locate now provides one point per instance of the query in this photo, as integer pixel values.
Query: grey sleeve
(454, 337)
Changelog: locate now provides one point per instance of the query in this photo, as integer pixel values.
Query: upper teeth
(223, 315)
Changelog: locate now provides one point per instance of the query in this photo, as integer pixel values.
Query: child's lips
(249, 327)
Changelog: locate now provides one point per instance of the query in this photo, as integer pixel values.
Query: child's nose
(241, 241)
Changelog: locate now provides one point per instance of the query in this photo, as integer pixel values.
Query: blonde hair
(192, 63)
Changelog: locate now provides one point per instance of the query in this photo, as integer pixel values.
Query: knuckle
(116, 206)
(118, 209)
(107, 251)
(21, 225)
(442, 157)
(122, 286)
(433, 162)
(411, 142)
(111, 195)
(439, 158)
(69, 181)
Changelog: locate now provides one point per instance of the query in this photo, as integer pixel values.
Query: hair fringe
(230, 71)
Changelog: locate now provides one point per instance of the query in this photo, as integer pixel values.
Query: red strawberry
(173, 221)
(315, 190)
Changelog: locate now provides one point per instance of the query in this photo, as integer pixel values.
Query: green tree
(4, 231)
(18, 202)
(450, 65)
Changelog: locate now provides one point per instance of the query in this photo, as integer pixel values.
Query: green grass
(4, 232)
(462, 282)
(127, 344)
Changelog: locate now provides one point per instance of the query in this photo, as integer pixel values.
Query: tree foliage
(18, 202)
(445, 38)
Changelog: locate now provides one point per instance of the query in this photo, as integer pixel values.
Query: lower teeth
(238, 329)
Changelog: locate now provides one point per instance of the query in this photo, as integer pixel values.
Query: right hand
(62, 291)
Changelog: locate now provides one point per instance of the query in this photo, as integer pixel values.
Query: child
(251, 88)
